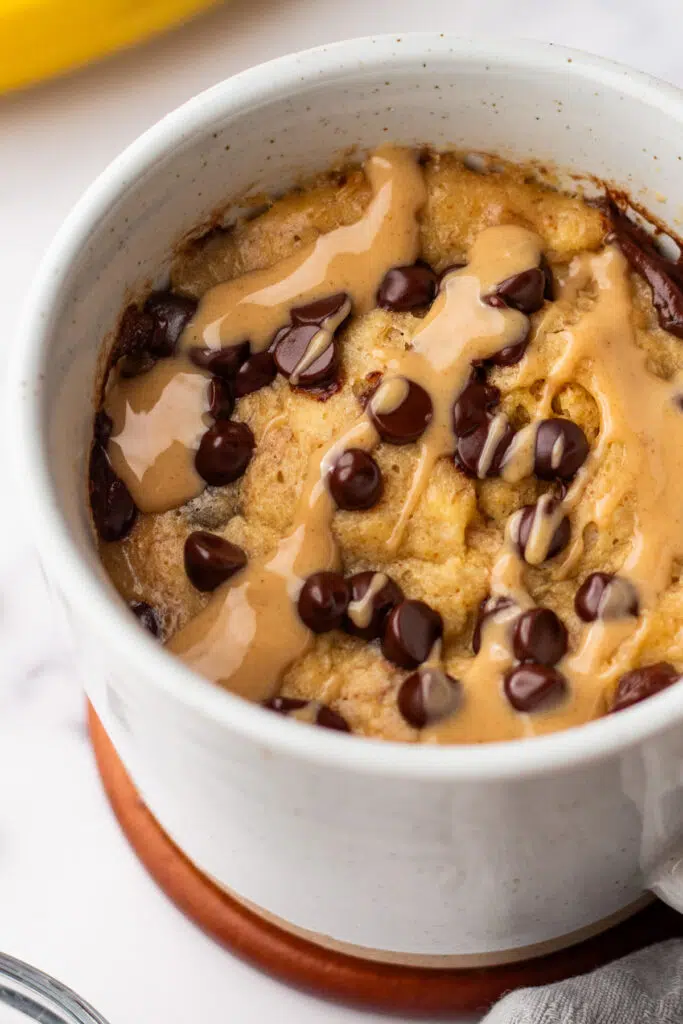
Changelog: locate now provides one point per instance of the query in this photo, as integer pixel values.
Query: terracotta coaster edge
(333, 975)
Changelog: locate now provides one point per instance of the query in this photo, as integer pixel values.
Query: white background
(73, 899)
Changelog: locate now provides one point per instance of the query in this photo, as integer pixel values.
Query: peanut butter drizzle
(360, 611)
(616, 599)
(308, 713)
(320, 341)
(390, 395)
(484, 711)
(495, 435)
(158, 421)
(638, 414)
(250, 631)
(547, 517)
(459, 330)
(351, 259)
(160, 416)
(518, 461)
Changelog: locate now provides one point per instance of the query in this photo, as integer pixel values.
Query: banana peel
(41, 38)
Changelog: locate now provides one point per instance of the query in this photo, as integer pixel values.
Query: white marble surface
(73, 898)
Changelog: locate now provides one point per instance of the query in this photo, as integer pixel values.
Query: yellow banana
(39, 38)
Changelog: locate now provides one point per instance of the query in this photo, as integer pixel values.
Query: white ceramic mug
(412, 853)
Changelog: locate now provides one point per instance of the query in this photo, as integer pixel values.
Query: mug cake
(400, 455)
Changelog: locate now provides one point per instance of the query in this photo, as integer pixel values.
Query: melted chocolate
(355, 481)
(479, 455)
(211, 560)
(411, 631)
(642, 683)
(529, 686)
(664, 277)
(406, 288)
(221, 399)
(323, 601)
(113, 509)
(366, 616)
(224, 452)
(223, 362)
(489, 607)
(474, 406)
(557, 542)
(604, 596)
(428, 696)
(255, 372)
(539, 636)
(561, 449)
(292, 347)
(524, 292)
(408, 420)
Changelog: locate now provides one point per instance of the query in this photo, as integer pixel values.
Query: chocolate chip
(355, 481)
(329, 719)
(524, 291)
(221, 399)
(473, 406)
(641, 683)
(324, 716)
(412, 628)
(291, 348)
(528, 686)
(113, 509)
(366, 618)
(604, 596)
(511, 354)
(133, 366)
(319, 311)
(173, 312)
(305, 351)
(406, 288)
(664, 277)
(489, 608)
(139, 334)
(428, 696)
(224, 452)
(103, 428)
(147, 616)
(401, 410)
(560, 450)
(255, 372)
(151, 333)
(323, 600)
(211, 560)
(480, 455)
(223, 362)
(560, 537)
(284, 705)
(539, 636)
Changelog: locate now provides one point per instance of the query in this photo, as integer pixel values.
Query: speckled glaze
(410, 853)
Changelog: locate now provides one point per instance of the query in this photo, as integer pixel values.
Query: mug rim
(574, 747)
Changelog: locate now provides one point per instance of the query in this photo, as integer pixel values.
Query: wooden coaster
(406, 990)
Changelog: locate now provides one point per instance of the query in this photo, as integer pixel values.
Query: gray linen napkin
(643, 988)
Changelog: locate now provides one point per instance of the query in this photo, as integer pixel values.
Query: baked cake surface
(435, 414)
